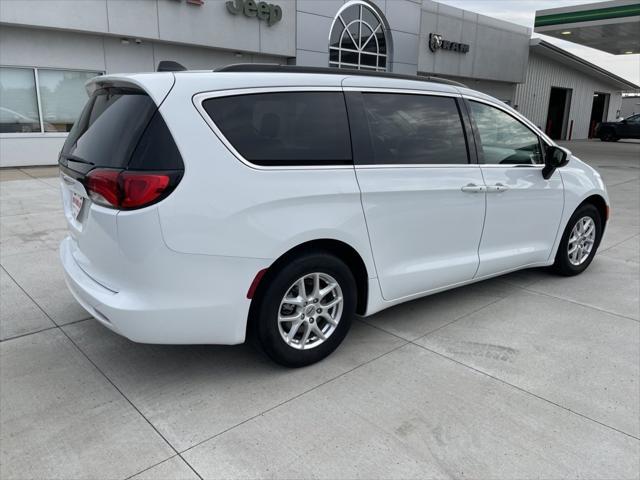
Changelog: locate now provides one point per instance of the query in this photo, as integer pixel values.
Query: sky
(523, 12)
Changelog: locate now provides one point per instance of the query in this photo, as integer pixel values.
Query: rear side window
(121, 128)
(414, 129)
(285, 128)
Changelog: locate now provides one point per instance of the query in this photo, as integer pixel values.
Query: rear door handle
(497, 188)
(473, 188)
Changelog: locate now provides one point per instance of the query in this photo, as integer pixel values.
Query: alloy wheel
(581, 241)
(310, 311)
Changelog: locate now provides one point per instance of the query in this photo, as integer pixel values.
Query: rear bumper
(202, 300)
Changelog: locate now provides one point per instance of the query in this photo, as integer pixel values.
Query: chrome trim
(535, 166)
(435, 93)
(416, 165)
(199, 98)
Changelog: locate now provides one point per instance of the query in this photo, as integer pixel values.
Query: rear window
(122, 128)
(285, 128)
(415, 129)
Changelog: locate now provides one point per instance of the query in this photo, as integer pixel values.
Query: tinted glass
(109, 127)
(414, 129)
(504, 140)
(156, 149)
(121, 128)
(288, 128)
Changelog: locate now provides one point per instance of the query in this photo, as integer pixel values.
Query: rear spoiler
(154, 85)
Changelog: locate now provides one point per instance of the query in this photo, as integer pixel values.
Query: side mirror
(555, 157)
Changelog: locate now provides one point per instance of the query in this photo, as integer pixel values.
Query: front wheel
(580, 241)
(306, 309)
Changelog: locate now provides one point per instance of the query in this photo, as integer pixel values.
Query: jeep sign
(262, 10)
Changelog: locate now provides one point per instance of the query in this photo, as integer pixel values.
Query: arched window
(358, 38)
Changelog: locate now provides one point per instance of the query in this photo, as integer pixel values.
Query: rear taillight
(127, 190)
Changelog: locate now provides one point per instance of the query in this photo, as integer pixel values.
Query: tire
(270, 331)
(565, 263)
(608, 136)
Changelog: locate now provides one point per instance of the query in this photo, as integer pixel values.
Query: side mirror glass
(555, 157)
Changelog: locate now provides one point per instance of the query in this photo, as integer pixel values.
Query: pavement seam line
(601, 310)
(152, 466)
(28, 295)
(284, 402)
(534, 292)
(622, 183)
(22, 335)
(40, 179)
(619, 243)
(481, 372)
(133, 405)
(436, 329)
(103, 374)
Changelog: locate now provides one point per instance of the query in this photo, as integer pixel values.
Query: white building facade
(49, 48)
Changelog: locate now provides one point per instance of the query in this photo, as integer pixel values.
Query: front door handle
(497, 188)
(473, 188)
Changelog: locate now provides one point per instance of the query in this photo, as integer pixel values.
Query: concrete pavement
(524, 376)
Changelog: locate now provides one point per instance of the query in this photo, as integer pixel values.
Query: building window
(37, 100)
(62, 96)
(18, 101)
(358, 38)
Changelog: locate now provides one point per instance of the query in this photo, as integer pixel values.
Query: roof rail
(274, 67)
(170, 66)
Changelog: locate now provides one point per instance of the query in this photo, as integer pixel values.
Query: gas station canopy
(612, 27)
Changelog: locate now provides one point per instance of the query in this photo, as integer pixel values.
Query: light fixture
(628, 53)
(566, 32)
(124, 41)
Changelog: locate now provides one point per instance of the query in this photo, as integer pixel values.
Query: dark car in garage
(614, 131)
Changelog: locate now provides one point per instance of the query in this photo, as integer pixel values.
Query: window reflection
(358, 40)
(504, 140)
(63, 95)
(415, 129)
(18, 101)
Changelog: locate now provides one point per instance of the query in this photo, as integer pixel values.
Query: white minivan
(275, 202)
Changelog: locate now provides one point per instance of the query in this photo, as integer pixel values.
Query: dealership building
(50, 48)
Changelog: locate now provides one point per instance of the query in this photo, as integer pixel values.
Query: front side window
(18, 101)
(358, 39)
(503, 139)
(62, 95)
(414, 129)
(285, 128)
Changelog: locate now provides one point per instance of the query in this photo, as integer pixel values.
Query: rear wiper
(73, 158)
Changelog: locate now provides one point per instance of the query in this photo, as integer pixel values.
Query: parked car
(274, 203)
(613, 131)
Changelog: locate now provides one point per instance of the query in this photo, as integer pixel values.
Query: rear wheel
(608, 135)
(306, 309)
(580, 241)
